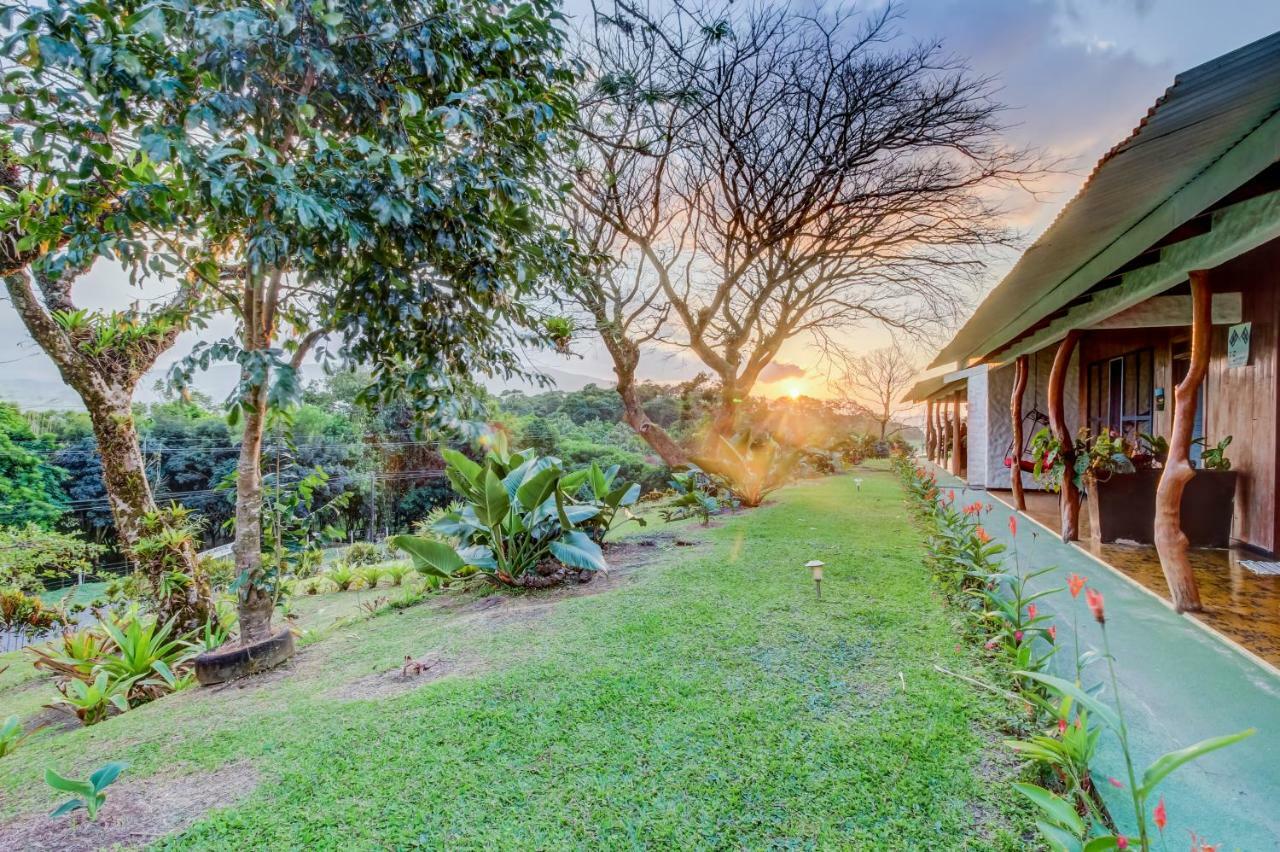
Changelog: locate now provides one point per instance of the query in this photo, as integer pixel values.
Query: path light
(816, 565)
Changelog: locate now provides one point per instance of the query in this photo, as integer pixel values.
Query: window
(1120, 394)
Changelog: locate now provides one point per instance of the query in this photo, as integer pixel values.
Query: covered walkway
(1180, 683)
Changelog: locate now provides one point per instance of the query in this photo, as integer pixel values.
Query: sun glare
(794, 392)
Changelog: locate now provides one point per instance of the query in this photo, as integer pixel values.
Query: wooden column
(928, 429)
(940, 431)
(1069, 497)
(1015, 415)
(1171, 542)
(957, 457)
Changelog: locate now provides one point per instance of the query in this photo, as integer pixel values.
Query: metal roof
(1203, 115)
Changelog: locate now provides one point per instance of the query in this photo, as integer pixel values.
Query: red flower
(1031, 612)
(1018, 636)
(1160, 815)
(1122, 842)
(1013, 525)
(982, 535)
(951, 496)
(1062, 726)
(1115, 783)
(1094, 598)
(1053, 633)
(1075, 583)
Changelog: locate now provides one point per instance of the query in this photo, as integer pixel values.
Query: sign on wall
(1238, 345)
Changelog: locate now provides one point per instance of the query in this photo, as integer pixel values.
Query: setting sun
(794, 392)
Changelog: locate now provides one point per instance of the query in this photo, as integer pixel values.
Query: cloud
(779, 370)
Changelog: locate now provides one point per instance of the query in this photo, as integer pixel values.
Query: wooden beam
(1174, 311)
(1171, 542)
(957, 457)
(1069, 496)
(944, 441)
(1015, 414)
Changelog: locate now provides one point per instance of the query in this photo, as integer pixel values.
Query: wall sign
(1238, 344)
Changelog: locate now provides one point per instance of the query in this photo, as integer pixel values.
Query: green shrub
(396, 572)
(89, 794)
(363, 553)
(11, 735)
(371, 576)
(519, 510)
(342, 575)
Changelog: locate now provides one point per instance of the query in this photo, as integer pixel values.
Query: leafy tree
(30, 557)
(78, 182)
(375, 172)
(30, 488)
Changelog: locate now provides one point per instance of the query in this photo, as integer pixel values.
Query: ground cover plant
(704, 699)
(1062, 720)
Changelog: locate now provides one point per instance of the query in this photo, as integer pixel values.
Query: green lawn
(705, 700)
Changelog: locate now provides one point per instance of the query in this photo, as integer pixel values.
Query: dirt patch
(397, 681)
(499, 609)
(136, 813)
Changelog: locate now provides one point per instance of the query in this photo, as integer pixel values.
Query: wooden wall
(1243, 402)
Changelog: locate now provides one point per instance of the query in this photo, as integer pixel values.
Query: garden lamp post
(815, 566)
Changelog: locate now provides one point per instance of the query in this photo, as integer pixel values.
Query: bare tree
(876, 382)
(761, 174)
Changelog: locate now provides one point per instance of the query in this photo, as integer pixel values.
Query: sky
(1077, 76)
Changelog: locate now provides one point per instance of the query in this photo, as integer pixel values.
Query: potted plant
(1208, 504)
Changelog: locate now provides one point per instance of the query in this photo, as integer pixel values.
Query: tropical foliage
(520, 517)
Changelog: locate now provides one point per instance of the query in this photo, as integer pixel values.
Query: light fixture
(816, 566)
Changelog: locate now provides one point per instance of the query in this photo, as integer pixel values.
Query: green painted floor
(1179, 684)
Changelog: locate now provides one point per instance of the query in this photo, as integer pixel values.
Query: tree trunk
(725, 422)
(255, 603)
(106, 386)
(1171, 542)
(1069, 497)
(651, 433)
(1015, 415)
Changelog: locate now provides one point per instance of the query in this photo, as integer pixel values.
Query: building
(1150, 307)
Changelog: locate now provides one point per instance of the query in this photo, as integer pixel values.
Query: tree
(758, 174)
(30, 487)
(76, 184)
(372, 172)
(877, 380)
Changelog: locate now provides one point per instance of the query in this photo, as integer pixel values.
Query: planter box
(236, 661)
(1124, 507)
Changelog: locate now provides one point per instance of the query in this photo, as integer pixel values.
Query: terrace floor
(1241, 605)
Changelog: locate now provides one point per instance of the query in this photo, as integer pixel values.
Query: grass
(712, 702)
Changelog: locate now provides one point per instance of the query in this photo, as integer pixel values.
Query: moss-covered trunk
(255, 600)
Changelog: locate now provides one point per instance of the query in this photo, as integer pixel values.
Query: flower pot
(1124, 507)
(233, 661)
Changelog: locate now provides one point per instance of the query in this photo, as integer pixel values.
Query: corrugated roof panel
(1207, 111)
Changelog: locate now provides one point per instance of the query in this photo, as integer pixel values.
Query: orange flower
(982, 535)
(1013, 525)
(1160, 815)
(1031, 612)
(1094, 599)
(1075, 583)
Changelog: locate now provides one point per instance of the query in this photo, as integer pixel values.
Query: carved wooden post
(1171, 542)
(957, 457)
(928, 429)
(1069, 498)
(1015, 415)
(940, 429)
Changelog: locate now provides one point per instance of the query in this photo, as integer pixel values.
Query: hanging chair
(1032, 422)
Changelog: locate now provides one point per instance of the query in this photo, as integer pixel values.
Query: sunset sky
(1077, 75)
